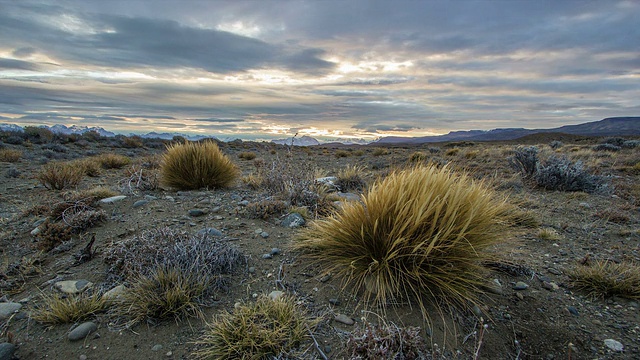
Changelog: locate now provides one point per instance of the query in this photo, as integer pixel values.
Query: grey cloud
(17, 64)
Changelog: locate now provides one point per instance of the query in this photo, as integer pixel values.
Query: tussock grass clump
(262, 330)
(9, 155)
(52, 234)
(421, 232)
(386, 341)
(548, 234)
(163, 293)
(59, 309)
(418, 157)
(247, 155)
(342, 153)
(193, 166)
(113, 161)
(350, 178)
(602, 279)
(380, 152)
(90, 166)
(265, 208)
(60, 175)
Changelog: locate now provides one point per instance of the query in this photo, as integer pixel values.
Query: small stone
(252, 269)
(551, 286)
(113, 199)
(197, 212)
(169, 354)
(258, 231)
(267, 256)
(327, 348)
(243, 203)
(140, 203)
(334, 302)
(495, 287)
(39, 222)
(293, 220)
(573, 311)
(519, 296)
(73, 286)
(6, 351)
(264, 234)
(554, 271)
(215, 209)
(9, 308)
(325, 278)
(210, 232)
(349, 196)
(476, 310)
(275, 295)
(520, 286)
(82, 331)
(82, 357)
(114, 294)
(275, 251)
(150, 197)
(614, 345)
(156, 347)
(35, 231)
(344, 319)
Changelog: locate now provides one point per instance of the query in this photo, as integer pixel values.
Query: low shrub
(60, 175)
(380, 152)
(631, 144)
(132, 142)
(418, 157)
(264, 209)
(9, 155)
(113, 161)
(559, 173)
(52, 234)
(386, 341)
(452, 152)
(525, 160)
(422, 232)
(38, 135)
(193, 166)
(615, 141)
(342, 153)
(263, 330)
(59, 309)
(556, 144)
(247, 155)
(602, 279)
(140, 178)
(606, 147)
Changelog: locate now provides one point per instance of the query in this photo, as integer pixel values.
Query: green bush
(193, 166)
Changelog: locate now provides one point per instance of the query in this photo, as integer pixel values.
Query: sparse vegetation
(261, 330)
(52, 234)
(60, 175)
(193, 166)
(559, 173)
(525, 161)
(386, 341)
(247, 155)
(8, 155)
(602, 279)
(265, 208)
(421, 232)
(64, 309)
(418, 157)
(113, 161)
(380, 152)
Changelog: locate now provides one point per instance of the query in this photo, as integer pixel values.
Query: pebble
(293, 220)
(341, 318)
(275, 295)
(210, 232)
(520, 286)
(156, 347)
(334, 302)
(614, 345)
(39, 222)
(267, 256)
(6, 351)
(113, 199)
(349, 196)
(264, 234)
(197, 212)
(83, 357)
(244, 203)
(82, 331)
(573, 311)
(114, 294)
(252, 270)
(495, 287)
(140, 203)
(35, 231)
(551, 286)
(73, 286)
(8, 308)
(275, 251)
(554, 271)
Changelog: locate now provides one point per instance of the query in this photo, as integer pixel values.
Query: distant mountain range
(616, 126)
(297, 141)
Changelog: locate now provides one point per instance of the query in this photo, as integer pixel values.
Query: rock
(73, 286)
(614, 345)
(35, 231)
(114, 294)
(244, 203)
(82, 331)
(39, 222)
(349, 196)
(8, 308)
(267, 256)
(150, 197)
(252, 270)
(197, 212)
(520, 286)
(275, 251)
(554, 271)
(293, 220)
(6, 351)
(113, 199)
(140, 203)
(495, 287)
(275, 295)
(573, 311)
(264, 234)
(325, 278)
(210, 232)
(344, 319)
(156, 347)
(551, 286)
(329, 181)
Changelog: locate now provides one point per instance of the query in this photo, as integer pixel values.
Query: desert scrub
(262, 330)
(342, 153)
(90, 166)
(422, 232)
(9, 155)
(60, 175)
(60, 309)
(349, 178)
(52, 234)
(386, 341)
(559, 173)
(602, 279)
(418, 157)
(548, 234)
(139, 178)
(113, 161)
(380, 152)
(264, 209)
(193, 166)
(452, 152)
(247, 155)
(525, 160)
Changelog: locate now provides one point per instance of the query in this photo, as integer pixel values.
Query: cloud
(17, 64)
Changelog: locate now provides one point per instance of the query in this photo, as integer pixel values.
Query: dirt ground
(547, 320)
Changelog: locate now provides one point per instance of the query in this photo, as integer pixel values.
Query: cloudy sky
(265, 69)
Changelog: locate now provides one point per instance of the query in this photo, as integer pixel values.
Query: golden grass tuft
(349, 178)
(603, 279)
(421, 232)
(60, 175)
(548, 234)
(59, 309)
(113, 161)
(247, 155)
(262, 330)
(9, 155)
(193, 166)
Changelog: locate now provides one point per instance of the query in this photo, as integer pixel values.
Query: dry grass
(59, 309)
(603, 279)
(386, 341)
(350, 178)
(421, 232)
(91, 166)
(60, 175)
(548, 234)
(263, 330)
(52, 234)
(113, 161)
(264, 209)
(380, 152)
(193, 166)
(9, 155)
(247, 155)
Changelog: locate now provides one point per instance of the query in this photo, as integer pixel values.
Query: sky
(328, 69)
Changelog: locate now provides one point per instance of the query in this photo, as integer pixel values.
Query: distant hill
(617, 126)
(297, 141)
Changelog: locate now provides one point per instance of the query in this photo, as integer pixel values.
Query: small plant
(559, 173)
(93, 195)
(631, 144)
(472, 154)
(132, 142)
(59, 309)
(452, 152)
(113, 161)
(38, 135)
(418, 157)
(8, 155)
(59, 175)
(358, 153)
(421, 232)
(265, 209)
(349, 179)
(606, 147)
(342, 153)
(525, 161)
(603, 279)
(556, 144)
(386, 341)
(193, 166)
(247, 155)
(548, 234)
(262, 330)
(52, 234)
(90, 166)
(380, 152)
(139, 178)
